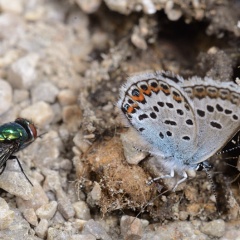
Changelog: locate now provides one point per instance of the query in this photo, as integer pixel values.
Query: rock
(18, 229)
(148, 7)
(20, 95)
(47, 150)
(42, 228)
(79, 224)
(82, 237)
(54, 233)
(172, 13)
(67, 97)
(118, 6)
(45, 91)
(5, 96)
(40, 113)
(131, 228)
(215, 228)
(22, 73)
(65, 207)
(53, 183)
(80, 142)
(30, 215)
(95, 228)
(13, 181)
(57, 112)
(47, 211)
(6, 215)
(89, 6)
(96, 192)
(40, 198)
(72, 116)
(132, 155)
(173, 230)
(15, 6)
(82, 210)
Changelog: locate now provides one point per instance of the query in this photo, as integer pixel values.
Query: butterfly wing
(217, 111)
(162, 113)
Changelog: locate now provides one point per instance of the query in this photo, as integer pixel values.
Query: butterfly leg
(185, 176)
(14, 157)
(171, 175)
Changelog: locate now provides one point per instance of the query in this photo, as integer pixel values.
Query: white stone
(47, 211)
(6, 215)
(44, 92)
(5, 96)
(42, 227)
(89, 6)
(81, 210)
(22, 73)
(40, 113)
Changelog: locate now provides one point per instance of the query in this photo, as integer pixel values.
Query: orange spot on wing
(131, 108)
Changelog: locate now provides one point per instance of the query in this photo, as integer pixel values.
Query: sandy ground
(61, 66)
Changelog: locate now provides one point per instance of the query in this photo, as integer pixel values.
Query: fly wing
(6, 150)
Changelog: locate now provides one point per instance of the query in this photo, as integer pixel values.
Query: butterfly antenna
(213, 187)
(229, 150)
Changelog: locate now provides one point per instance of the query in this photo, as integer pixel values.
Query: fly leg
(14, 157)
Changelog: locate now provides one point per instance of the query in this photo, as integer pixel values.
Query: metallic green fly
(15, 136)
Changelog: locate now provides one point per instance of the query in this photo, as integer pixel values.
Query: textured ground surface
(61, 65)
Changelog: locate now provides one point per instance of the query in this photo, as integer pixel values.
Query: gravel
(61, 65)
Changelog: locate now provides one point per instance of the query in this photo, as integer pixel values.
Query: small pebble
(82, 210)
(13, 181)
(22, 73)
(132, 155)
(40, 198)
(215, 228)
(131, 228)
(118, 6)
(81, 142)
(89, 6)
(67, 97)
(57, 109)
(65, 208)
(79, 224)
(40, 113)
(42, 228)
(5, 96)
(30, 215)
(82, 237)
(6, 215)
(47, 211)
(56, 234)
(46, 92)
(72, 116)
(96, 229)
(183, 215)
(13, 6)
(173, 13)
(148, 7)
(96, 192)
(20, 95)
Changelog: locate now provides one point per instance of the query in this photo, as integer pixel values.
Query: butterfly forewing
(162, 113)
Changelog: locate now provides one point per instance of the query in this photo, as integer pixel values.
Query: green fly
(15, 136)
